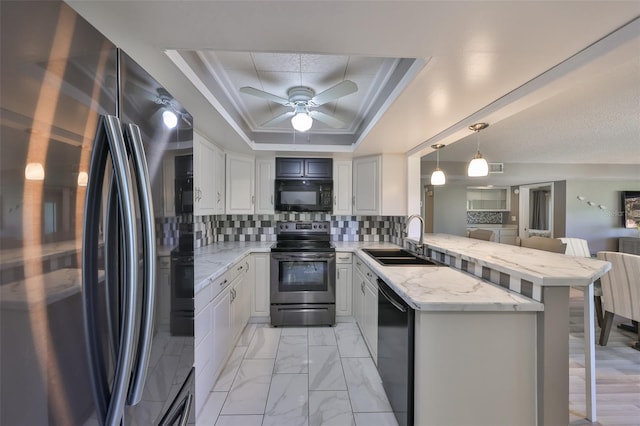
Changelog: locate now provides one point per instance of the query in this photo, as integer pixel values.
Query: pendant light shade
(478, 166)
(438, 177)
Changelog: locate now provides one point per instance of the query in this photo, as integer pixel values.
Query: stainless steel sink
(398, 257)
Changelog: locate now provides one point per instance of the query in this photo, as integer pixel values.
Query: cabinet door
(358, 294)
(221, 316)
(219, 184)
(204, 175)
(342, 188)
(289, 168)
(318, 168)
(366, 186)
(370, 317)
(163, 291)
(260, 294)
(265, 177)
(344, 277)
(240, 300)
(240, 196)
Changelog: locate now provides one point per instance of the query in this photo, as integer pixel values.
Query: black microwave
(302, 195)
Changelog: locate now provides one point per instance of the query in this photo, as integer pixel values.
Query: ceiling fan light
(301, 121)
(478, 166)
(438, 177)
(170, 119)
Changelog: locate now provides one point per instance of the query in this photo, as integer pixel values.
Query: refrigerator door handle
(111, 260)
(109, 140)
(133, 139)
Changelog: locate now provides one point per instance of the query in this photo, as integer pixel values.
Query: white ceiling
(485, 61)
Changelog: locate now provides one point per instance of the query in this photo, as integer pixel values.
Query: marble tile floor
(617, 373)
(298, 376)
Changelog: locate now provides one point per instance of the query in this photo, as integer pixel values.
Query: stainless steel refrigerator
(82, 147)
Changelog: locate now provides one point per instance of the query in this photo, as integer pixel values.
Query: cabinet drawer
(344, 258)
(365, 270)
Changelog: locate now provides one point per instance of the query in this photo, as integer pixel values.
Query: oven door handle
(303, 256)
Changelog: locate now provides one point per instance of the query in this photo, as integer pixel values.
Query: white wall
(601, 228)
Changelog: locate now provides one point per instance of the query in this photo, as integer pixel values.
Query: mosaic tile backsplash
(494, 218)
(343, 228)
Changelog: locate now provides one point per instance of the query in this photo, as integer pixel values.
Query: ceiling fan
(303, 100)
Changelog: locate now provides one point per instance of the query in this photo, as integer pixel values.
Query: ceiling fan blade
(279, 118)
(341, 89)
(326, 119)
(264, 95)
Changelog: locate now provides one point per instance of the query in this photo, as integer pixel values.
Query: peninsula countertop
(540, 267)
(424, 288)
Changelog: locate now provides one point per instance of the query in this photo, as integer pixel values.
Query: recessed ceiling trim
(224, 83)
(416, 66)
(182, 65)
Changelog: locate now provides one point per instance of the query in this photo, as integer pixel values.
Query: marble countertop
(424, 288)
(540, 267)
(214, 260)
(491, 226)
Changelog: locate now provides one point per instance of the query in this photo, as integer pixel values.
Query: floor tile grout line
(353, 415)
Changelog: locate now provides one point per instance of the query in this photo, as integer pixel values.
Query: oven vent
(496, 167)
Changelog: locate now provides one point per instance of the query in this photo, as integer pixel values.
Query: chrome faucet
(406, 228)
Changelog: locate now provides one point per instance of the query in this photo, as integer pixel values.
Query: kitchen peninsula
(477, 344)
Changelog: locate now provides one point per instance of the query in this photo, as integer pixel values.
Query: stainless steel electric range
(303, 269)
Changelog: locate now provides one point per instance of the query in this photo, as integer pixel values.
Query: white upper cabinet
(204, 176)
(488, 198)
(240, 188)
(265, 182)
(380, 185)
(342, 187)
(219, 166)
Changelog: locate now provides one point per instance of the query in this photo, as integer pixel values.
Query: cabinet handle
(253, 199)
(358, 263)
(353, 200)
(240, 268)
(344, 258)
(338, 273)
(335, 200)
(223, 283)
(272, 200)
(218, 197)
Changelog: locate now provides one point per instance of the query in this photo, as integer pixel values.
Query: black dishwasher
(395, 351)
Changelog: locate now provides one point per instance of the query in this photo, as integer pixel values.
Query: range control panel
(323, 227)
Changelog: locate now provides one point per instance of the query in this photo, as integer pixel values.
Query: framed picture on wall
(631, 208)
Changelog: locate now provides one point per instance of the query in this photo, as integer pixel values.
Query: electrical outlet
(513, 218)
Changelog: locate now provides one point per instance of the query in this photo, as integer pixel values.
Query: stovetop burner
(303, 237)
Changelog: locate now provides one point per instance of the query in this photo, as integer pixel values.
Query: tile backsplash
(494, 218)
(343, 228)
(209, 229)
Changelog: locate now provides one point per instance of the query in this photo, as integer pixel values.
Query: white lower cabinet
(344, 281)
(240, 300)
(260, 297)
(365, 305)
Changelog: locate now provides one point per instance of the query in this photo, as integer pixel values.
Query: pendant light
(478, 165)
(437, 177)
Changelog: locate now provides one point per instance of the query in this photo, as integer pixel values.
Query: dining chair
(481, 234)
(620, 290)
(579, 247)
(544, 243)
